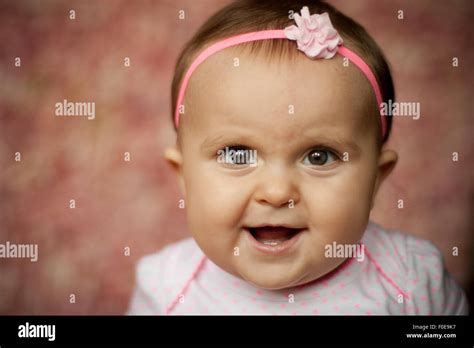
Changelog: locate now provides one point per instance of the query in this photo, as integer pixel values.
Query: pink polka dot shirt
(400, 274)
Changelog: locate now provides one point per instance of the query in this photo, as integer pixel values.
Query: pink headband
(314, 35)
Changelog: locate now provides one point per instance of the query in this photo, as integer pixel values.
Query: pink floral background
(134, 204)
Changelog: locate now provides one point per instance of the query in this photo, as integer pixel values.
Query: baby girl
(280, 152)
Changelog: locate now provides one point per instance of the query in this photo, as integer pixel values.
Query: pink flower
(314, 34)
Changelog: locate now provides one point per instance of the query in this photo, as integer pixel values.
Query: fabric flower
(314, 34)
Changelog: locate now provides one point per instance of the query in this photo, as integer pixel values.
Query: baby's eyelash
(325, 148)
(238, 146)
(233, 147)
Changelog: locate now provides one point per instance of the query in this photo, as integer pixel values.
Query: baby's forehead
(237, 85)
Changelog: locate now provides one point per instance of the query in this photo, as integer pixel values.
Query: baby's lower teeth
(271, 242)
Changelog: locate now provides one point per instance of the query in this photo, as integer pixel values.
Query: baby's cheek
(340, 210)
(214, 207)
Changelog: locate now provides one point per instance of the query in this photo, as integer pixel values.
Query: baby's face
(316, 172)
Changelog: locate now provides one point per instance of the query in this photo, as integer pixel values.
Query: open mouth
(273, 235)
(273, 239)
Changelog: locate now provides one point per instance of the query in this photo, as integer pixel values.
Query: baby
(279, 154)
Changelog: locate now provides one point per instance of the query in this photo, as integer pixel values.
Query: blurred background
(133, 205)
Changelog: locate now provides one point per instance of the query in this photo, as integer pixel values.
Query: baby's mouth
(273, 235)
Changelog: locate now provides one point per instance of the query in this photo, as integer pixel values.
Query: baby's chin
(277, 276)
(272, 283)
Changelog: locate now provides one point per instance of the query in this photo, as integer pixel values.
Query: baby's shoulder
(160, 276)
(416, 267)
(174, 260)
(400, 251)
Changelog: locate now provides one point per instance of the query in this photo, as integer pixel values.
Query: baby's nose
(276, 187)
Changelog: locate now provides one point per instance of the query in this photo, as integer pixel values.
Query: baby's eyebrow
(339, 143)
(213, 142)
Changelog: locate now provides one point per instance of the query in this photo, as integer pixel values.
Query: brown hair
(244, 16)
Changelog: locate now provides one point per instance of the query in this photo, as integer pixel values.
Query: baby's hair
(243, 16)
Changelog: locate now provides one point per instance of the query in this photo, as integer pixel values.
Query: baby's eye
(319, 157)
(237, 155)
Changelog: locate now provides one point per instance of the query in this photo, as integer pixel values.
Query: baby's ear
(387, 161)
(174, 157)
